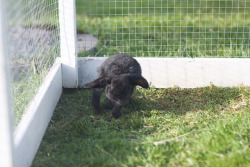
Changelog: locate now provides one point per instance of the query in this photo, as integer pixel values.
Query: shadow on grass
(76, 137)
(178, 101)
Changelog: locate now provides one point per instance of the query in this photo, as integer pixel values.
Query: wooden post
(67, 19)
(6, 139)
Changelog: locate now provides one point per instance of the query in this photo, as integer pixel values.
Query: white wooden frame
(181, 72)
(18, 147)
(6, 136)
(30, 131)
(68, 43)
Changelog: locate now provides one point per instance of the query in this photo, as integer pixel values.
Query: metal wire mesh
(33, 44)
(165, 28)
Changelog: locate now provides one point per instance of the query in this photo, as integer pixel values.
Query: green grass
(166, 29)
(201, 127)
(23, 92)
(146, 36)
(27, 81)
(30, 67)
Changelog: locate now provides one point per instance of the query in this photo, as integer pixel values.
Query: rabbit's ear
(98, 83)
(138, 80)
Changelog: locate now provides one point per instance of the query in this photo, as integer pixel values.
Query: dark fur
(119, 75)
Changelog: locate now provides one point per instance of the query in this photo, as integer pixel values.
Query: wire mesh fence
(141, 28)
(161, 28)
(33, 45)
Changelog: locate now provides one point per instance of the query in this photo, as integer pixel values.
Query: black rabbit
(119, 75)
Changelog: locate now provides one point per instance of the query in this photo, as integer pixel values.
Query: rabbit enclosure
(48, 45)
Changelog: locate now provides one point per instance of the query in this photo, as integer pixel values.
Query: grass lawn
(197, 127)
(142, 28)
(160, 127)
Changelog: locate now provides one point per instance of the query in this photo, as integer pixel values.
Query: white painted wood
(30, 131)
(68, 44)
(198, 72)
(181, 72)
(6, 128)
(87, 69)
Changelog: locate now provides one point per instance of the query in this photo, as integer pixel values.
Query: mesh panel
(33, 43)
(161, 28)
